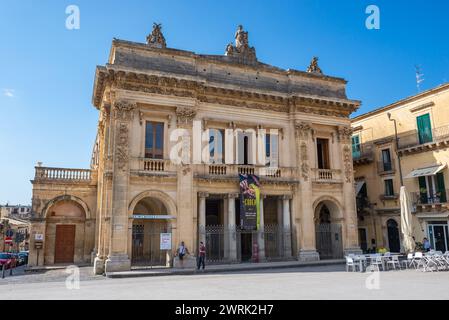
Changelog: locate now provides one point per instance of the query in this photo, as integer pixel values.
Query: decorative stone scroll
(185, 115)
(302, 130)
(304, 162)
(344, 134)
(121, 147)
(123, 110)
(347, 163)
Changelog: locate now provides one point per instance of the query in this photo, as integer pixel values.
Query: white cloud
(8, 92)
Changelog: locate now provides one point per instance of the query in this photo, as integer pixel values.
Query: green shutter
(355, 147)
(424, 128)
(422, 189)
(441, 190)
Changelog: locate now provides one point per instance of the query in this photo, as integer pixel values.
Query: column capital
(203, 194)
(231, 195)
(286, 197)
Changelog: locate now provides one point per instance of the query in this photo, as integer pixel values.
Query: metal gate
(218, 237)
(329, 241)
(146, 244)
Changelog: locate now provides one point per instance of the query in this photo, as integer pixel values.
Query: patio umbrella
(406, 221)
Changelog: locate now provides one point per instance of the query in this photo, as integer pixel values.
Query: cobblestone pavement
(324, 282)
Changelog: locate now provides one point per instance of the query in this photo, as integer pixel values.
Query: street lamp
(397, 147)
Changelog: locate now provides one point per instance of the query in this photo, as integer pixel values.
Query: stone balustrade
(327, 175)
(62, 174)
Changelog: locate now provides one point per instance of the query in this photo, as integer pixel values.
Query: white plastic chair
(377, 262)
(350, 264)
(407, 263)
(394, 262)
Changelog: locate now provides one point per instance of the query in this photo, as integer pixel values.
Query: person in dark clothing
(201, 255)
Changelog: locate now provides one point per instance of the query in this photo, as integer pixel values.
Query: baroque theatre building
(177, 131)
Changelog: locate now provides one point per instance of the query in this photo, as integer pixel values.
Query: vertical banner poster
(249, 202)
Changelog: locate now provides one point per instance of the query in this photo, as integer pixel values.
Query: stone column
(261, 234)
(351, 239)
(118, 259)
(304, 147)
(286, 226)
(231, 228)
(202, 217)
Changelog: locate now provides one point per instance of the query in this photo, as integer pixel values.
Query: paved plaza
(319, 282)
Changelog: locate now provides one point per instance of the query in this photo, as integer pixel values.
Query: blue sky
(47, 71)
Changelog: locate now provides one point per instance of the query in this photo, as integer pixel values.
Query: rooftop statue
(241, 50)
(156, 38)
(313, 67)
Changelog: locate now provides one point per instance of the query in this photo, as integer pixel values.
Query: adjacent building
(422, 125)
(175, 130)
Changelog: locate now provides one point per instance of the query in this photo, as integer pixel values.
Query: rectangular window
(154, 140)
(356, 148)
(271, 150)
(389, 191)
(323, 153)
(216, 143)
(386, 160)
(424, 128)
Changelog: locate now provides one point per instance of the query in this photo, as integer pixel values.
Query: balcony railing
(413, 139)
(394, 196)
(363, 151)
(156, 165)
(385, 167)
(327, 175)
(423, 198)
(62, 174)
(235, 170)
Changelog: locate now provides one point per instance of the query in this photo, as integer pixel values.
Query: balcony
(44, 174)
(326, 175)
(425, 199)
(411, 142)
(385, 167)
(231, 171)
(363, 153)
(156, 166)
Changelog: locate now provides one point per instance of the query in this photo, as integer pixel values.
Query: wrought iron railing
(362, 151)
(385, 167)
(412, 139)
(425, 198)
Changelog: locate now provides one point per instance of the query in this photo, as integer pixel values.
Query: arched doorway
(65, 232)
(150, 220)
(328, 231)
(393, 236)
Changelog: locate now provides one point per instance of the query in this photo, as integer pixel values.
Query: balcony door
(322, 146)
(424, 128)
(246, 148)
(154, 140)
(432, 188)
(386, 160)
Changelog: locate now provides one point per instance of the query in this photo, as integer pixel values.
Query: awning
(359, 186)
(428, 171)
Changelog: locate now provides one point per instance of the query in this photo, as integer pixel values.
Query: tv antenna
(419, 77)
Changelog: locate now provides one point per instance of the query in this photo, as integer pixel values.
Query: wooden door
(65, 243)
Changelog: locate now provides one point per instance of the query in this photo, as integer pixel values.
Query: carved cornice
(193, 89)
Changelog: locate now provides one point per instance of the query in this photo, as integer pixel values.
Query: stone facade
(131, 197)
(376, 161)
